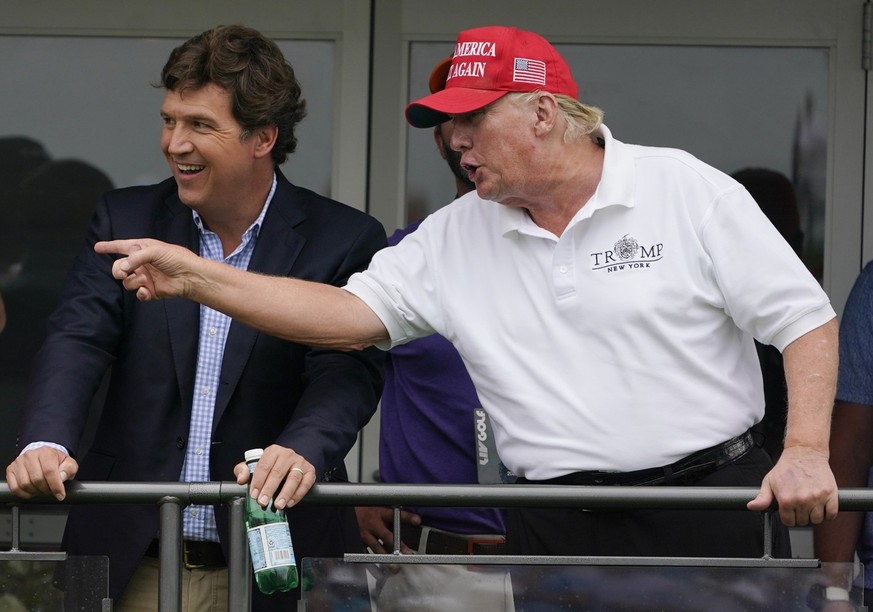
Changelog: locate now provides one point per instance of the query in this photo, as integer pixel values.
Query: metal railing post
(170, 573)
(396, 529)
(768, 534)
(16, 528)
(239, 588)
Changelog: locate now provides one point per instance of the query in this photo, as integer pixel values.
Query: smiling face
(214, 166)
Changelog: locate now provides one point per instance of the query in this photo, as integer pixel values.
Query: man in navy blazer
(190, 390)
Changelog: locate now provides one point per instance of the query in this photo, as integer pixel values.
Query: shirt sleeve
(768, 290)
(399, 288)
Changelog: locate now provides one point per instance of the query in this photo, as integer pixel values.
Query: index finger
(121, 268)
(55, 481)
(120, 247)
(270, 471)
(832, 507)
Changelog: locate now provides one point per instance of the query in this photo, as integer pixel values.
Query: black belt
(430, 541)
(195, 554)
(683, 472)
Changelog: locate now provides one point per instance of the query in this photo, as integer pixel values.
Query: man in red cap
(605, 299)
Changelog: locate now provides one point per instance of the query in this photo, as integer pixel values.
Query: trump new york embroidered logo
(627, 253)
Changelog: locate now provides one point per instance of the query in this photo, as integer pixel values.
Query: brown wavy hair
(251, 67)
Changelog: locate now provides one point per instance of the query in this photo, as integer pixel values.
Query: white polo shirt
(627, 342)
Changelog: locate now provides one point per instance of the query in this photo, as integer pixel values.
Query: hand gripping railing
(172, 497)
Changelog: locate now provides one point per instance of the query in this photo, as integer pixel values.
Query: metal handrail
(383, 494)
(171, 497)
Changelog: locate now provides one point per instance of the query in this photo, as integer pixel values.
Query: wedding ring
(297, 469)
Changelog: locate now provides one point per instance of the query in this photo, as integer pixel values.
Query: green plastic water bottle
(269, 540)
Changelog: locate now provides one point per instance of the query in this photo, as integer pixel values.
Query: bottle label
(270, 546)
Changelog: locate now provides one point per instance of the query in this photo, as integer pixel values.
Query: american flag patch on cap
(529, 71)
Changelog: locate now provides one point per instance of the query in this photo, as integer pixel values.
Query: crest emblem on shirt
(626, 247)
(627, 253)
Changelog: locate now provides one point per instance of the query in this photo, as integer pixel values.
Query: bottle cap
(253, 454)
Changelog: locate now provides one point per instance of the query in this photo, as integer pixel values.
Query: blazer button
(180, 442)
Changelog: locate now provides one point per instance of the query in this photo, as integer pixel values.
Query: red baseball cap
(488, 63)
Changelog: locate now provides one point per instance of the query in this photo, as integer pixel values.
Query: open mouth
(189, 168)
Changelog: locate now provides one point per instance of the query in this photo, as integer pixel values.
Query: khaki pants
(203, 590)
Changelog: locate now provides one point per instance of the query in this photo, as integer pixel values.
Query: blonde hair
(581, 119)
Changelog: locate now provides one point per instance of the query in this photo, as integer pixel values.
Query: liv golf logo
(627, 254)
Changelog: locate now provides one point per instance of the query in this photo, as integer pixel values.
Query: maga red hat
(488, 63)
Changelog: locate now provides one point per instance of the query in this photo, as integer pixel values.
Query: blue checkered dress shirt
(198, 522)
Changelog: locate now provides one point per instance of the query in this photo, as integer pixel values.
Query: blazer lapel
(277, 248)
(176, 225)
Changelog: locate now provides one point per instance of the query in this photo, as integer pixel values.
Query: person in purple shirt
(427, 425)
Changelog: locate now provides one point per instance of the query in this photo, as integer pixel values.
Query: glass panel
(91, 98)
(78, 583)
(80, 118)
(732, 107)
(331, 584)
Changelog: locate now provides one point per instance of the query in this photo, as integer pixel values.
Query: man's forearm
(315, 314)
(811, 374)
(306, 312)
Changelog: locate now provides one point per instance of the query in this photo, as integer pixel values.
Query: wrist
(815, 445)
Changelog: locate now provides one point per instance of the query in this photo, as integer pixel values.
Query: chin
(483, 192)
(190, 199)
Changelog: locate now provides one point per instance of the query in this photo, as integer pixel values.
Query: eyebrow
(198, 117)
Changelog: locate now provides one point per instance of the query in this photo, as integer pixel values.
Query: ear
(265, 140)
(547, 113)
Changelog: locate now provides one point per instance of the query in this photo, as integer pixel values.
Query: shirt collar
(617, 179)
(255, 227)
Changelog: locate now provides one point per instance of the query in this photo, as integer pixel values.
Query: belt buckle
(185, 562)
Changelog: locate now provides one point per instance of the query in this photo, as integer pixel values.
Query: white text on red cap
(471, 69)
(476, 48)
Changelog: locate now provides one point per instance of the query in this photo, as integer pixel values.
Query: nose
(176, 140)
(460, 140)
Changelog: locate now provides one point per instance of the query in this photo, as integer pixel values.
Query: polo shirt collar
(618, 177)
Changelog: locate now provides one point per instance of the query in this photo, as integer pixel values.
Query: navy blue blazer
(271, 391)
